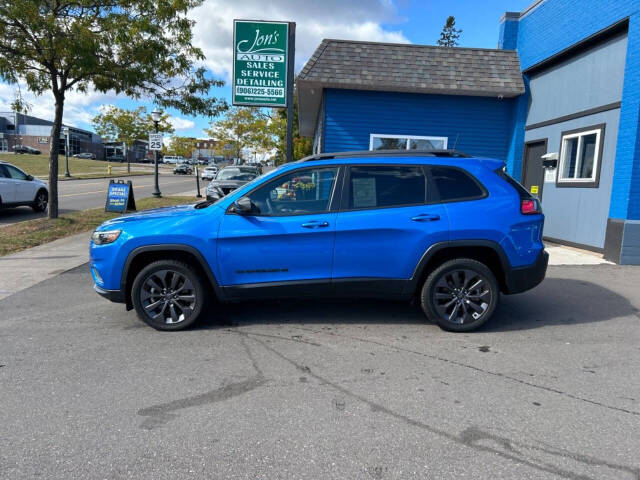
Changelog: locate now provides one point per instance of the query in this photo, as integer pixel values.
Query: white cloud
(315, 20)
(180, 123)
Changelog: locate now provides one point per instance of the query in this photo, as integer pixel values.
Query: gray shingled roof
(405, 68)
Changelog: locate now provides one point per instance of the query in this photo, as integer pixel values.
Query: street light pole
(155, 116)
(65, 130)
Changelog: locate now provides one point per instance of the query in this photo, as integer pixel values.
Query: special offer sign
(260, 61)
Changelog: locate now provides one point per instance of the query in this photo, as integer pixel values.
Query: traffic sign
(155, 141)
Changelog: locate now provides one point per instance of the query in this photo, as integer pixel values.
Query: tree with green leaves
(450, 34)
(242, 128)
(115, 124)
(139, 48)
(181, 146)
(302, 146)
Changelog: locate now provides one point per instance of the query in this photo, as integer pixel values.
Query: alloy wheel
(41, 201)
(462, 296)
(168, 296)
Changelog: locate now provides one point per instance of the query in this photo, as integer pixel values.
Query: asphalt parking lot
(324, 389)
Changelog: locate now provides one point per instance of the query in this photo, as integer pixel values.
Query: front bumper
(521, 279)
(116, 296)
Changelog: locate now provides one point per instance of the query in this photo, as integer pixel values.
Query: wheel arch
(141, 256)
(489, 253)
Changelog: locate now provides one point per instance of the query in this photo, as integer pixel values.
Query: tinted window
(236, 174)
(386, 186)
(523, 192)
(15, 173)
(299, 192)
(454, 184)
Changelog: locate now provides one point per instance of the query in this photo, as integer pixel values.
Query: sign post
(263, 67)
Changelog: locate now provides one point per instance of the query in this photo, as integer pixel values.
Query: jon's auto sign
(260, 57)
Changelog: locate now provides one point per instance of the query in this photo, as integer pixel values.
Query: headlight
(107, 236)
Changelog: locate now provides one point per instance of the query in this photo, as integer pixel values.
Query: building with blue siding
(558, 101)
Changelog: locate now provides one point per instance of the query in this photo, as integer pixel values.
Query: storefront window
(406, 142)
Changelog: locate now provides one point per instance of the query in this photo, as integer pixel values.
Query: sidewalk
(24, 269)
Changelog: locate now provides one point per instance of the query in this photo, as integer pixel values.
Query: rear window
(454, 184)
(523, 192)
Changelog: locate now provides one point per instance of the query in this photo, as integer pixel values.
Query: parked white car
(209, 173)
(173, 159)
(18, 188)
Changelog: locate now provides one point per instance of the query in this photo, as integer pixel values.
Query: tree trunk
(53, 156)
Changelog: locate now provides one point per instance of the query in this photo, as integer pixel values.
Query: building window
(379, 141)
(580, 157)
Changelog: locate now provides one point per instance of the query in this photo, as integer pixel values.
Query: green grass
(38, 166)
(23, 235)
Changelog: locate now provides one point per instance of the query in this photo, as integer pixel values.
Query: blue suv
(449, 230)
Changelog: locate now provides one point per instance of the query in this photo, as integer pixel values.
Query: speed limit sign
(155, 141)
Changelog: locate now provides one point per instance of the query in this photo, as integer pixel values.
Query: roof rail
(386, 153)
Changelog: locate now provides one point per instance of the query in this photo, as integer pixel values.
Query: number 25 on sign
(155, 141)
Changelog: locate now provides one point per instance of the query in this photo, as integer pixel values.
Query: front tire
(168, 295)
(460, 295)
(41, 201)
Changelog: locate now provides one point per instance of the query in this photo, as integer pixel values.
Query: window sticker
(364, 192)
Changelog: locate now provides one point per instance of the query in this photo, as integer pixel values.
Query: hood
(154, 214)
(227, 183)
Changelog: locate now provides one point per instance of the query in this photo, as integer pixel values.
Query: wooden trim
(574, 116)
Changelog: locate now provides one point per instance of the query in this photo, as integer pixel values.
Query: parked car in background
(228, 179)
(116, 158)
(85, 155)
(449, 231)
(173, 159)
(18, 188)
(26, 149)
(209, 173)
(182, 169)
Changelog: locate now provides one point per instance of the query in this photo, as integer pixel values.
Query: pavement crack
(488, 372)
(160, 414)
(471, 437)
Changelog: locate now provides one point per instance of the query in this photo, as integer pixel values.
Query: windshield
(235, 174)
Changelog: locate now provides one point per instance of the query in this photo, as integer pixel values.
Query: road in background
(92, 193)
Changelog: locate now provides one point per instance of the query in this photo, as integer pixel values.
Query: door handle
(426, 217)
(315, 224)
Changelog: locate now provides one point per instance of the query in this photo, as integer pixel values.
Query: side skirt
(383, 288)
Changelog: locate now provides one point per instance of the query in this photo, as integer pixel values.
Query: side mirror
(243, 206)
(30, 177)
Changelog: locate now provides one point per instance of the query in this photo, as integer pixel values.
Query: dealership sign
(260, 60)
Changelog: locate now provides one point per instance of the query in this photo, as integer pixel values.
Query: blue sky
(411, 21)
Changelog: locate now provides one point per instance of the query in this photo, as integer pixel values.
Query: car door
(288, 237)
(385, 225)
(24, 188)
(7, 186)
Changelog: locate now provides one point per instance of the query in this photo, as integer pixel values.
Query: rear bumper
(112, 295)
(521, 279)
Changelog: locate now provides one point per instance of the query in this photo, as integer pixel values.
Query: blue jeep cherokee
(450, 230)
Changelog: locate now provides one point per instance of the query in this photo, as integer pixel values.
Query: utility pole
(290, 70)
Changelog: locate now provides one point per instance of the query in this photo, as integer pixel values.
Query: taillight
(529, 206)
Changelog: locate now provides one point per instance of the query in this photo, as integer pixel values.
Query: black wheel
(460, 295)
(168, 295)
(41, 201)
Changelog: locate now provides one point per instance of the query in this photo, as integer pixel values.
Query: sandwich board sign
(120, 197)
(260, 62)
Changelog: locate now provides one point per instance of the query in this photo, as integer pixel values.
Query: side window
(300, 192)
(15, 173)
(386, 186)
(453, 184)
(3, 172)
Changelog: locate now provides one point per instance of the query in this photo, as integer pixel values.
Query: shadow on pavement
(556, 301)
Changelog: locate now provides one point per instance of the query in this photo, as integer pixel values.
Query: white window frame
(597, 156)
(408, 137)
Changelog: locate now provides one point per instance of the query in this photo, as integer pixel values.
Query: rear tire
(168, 295)
(41, 201)
(460, 295)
